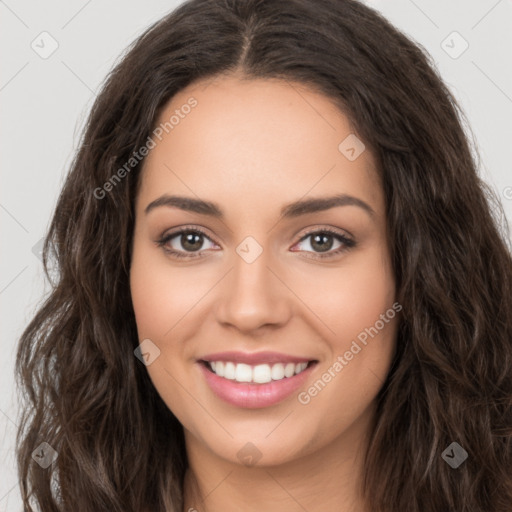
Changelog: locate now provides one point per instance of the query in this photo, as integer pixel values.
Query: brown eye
(322, 241)
(191, 240)
(185, 243)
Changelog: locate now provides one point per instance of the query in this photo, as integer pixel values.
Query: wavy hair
(119, 447)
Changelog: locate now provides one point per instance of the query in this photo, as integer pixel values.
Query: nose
(253, 296)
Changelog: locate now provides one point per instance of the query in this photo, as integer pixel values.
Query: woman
(280, 281)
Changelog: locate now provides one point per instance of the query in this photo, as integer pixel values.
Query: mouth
(255, 386)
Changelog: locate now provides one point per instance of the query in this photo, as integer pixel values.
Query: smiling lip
(253, 395)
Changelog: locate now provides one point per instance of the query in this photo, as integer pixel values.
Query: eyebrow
(291, 210)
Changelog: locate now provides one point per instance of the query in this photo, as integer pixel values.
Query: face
(260, 246)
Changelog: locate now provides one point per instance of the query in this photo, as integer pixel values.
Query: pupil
(193, 241)
(318, 240)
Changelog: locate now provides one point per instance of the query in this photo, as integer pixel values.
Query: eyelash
(348, 243)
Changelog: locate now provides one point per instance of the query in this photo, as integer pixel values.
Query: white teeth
(289, 370)
(229, 371)
(243, 373)
(300, 367)
(277, 372)
(218, 368)
(260, 374)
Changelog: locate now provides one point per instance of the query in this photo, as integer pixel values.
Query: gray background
(44, 103)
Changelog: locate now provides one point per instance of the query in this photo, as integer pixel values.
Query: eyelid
(326, 229)
(168, 233)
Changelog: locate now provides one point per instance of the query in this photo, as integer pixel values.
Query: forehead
(251, 142)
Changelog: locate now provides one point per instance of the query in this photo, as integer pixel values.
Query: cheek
(160, 300)
(356, 304)
(148, 303)
(160, 296)
(168, 307)
(352, 297)
(368, 293)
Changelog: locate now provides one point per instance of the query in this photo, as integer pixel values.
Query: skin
(252, 146)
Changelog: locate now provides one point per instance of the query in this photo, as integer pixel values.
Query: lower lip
(254, 396)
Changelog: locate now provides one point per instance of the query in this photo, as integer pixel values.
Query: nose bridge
(250, 272)
(252, 295)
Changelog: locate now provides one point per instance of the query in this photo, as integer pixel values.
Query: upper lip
(255, 358)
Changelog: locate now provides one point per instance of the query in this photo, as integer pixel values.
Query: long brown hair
(119, 447)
